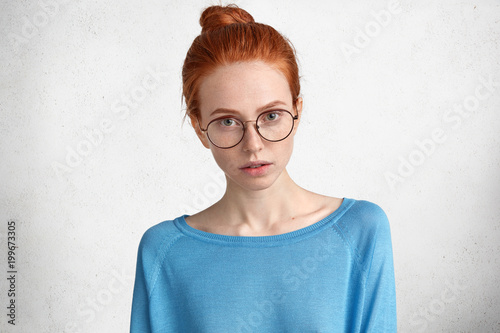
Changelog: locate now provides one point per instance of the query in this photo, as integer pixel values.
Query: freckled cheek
(226, 162)
(286, 153)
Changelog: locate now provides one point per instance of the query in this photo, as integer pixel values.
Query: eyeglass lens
(272, 125)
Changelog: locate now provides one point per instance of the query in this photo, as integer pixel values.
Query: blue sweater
(336, 275)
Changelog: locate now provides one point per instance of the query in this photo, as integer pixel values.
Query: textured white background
(80, 217)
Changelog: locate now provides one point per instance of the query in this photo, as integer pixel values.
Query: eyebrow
(226, 110)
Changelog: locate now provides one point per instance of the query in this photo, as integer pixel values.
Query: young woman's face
(246, 88)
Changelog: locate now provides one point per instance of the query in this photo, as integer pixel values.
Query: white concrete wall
(398, 111)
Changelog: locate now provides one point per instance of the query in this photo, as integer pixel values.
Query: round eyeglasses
(227, 132)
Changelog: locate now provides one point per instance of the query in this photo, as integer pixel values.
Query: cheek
(285, 151)
(224, 159)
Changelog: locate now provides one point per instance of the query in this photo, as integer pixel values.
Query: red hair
(229, 34)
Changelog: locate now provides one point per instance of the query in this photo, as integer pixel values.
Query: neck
(258, 211)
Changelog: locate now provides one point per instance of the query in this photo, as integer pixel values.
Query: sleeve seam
(375, 237)
(349, 248)
(354, 253)
(160, 259)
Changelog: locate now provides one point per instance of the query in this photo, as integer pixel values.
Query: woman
(270, 256)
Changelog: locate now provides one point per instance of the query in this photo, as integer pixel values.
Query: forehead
(244, 87)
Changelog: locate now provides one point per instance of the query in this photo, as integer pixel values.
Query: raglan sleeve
(140, 315)
(379, 303)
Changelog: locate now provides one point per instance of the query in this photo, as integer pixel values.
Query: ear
(197, 128)
(298, 105)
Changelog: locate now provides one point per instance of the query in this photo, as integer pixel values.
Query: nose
(252, 140)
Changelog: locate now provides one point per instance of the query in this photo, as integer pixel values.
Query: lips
(254, 164)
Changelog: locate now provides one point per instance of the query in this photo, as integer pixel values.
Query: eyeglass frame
(245, 127)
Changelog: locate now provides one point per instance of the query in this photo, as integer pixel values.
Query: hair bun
(215, 17)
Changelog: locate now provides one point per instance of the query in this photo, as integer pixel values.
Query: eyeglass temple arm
(199, 124)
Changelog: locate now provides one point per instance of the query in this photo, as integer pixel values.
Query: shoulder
(153, 246)
(365, 227)
(157, 239)
(365, 216)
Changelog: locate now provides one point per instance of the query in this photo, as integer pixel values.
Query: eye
(227, 122)
(272, 116)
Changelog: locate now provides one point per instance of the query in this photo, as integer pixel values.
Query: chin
(253, 184)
